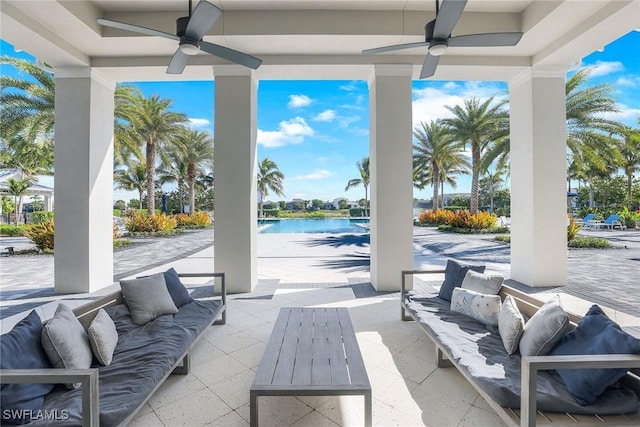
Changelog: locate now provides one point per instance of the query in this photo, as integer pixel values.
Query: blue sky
(316, 131)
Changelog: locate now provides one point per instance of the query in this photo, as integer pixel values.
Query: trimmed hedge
(11, 230)
(42, 216)
(459, 230)
(355, 212)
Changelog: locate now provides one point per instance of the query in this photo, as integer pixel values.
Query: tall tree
(478, 124)
(173, 169)
(434, 150)
(492, 182)
(364, 180)
(629, 147)
(269, 179)
(195, 149)
(28, 108)
(151, 120)
(132, 176)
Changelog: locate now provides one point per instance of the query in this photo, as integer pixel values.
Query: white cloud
(325, 116)
(289, 132)
(625, 114)
(349, 87)
(319, 174)
(603, 68)
(299, 101)
(629, 81)
(450, 85)
(199, 123)
(429, 104)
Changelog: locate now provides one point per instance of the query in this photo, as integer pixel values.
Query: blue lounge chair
(612, 222)
(585, 221)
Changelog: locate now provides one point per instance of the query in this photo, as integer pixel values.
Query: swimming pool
(319, 225)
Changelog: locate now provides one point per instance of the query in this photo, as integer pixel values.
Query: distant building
(350, 204)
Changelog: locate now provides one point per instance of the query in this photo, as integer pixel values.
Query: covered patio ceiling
(314, 39)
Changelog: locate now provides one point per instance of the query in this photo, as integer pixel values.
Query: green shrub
(589, 242)
(455, 208)
(460, 230)
(503, 238)
(198, 219)
(435, 217)
(41, 234)
(42, 216)
(271, 213)
(139, 222)
(355, 212)
(572, 230)
(628, 218)
(479, 220)
(11, 230)
(119, 243)
(314, 214)
(117, 212)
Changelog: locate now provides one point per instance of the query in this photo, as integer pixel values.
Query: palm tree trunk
(442, 192)
(366, 201)
(261, 207)
(592, 202)
(629, 185)
(475, 166)
(191, 173)
(151, 171)
(180, 185)
(436, 185)
(140, 200)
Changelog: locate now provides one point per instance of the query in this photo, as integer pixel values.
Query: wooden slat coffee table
(312, 352)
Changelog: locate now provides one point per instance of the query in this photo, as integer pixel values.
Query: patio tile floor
(408, 390)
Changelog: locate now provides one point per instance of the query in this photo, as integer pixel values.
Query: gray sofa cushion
(545, 328)
(66, 342)
(510, 325)
(454, 275)
(482, 283)
(479, 352)
(147, 298)
(143, 355)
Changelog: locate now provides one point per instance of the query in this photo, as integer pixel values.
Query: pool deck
(607, 277)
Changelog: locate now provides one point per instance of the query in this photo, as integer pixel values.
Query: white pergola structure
(311, 39)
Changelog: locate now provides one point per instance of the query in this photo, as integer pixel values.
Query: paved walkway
(606, 277)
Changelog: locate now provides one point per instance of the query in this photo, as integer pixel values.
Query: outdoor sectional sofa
(509, 382)
(145, 355)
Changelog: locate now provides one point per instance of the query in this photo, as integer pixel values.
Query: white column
(538, 177)
(391, 152)
(236, 222)
(48, 206)
(83, 180)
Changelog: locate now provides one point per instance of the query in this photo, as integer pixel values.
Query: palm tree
(173, 168)
(629, 147)
(364, 180)
(493, 181)
(151, 121)
(434, 149)
(269, 179)
(28, 108)
(133, 176)
(479, 124)
(18, 188)
(195, 149)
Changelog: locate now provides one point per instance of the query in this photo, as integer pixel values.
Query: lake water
(320, 225)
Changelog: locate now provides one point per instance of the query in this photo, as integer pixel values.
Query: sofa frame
(528, 415)
(90, 377)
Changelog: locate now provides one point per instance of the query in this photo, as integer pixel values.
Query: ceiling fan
(189, 32)
(438, 37)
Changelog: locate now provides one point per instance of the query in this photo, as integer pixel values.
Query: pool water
(320, 225)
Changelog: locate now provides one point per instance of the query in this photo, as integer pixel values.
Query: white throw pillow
(482, 307)
(482, 283)
(103, 337)
(510, 325)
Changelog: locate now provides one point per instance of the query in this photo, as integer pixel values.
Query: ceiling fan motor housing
(181, 25)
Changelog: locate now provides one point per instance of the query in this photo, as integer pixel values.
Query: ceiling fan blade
(429, 66)
(204, 16)
(487, 39)
(394, 47)
(447, 18)
(136, 29)
(178, 62)
(231, 55)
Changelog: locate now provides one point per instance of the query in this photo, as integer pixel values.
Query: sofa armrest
(87, 377)
(406, 273)
(532, 364)
(223, 289)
